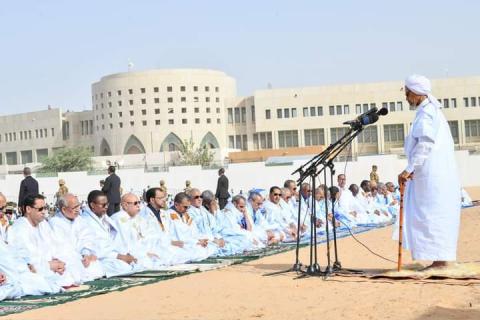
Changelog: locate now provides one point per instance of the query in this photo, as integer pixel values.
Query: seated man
(109, 248)
(285, 204)
(276, 215)
(346, 219)
(366, 200)
(204, 221)
(4, 221)
(70, 228)
(384, 203)
(346, 199)
(263, 230)
(32, 239)
(182, 228)
(293, 201)
(128, 220)
(155, 237)
(363, 217)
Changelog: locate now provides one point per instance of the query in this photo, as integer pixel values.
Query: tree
(68, 159)
(189, 155)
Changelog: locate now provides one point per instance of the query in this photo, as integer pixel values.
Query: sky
(52, 51)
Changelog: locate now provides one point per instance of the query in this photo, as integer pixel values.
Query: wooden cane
(400, 227)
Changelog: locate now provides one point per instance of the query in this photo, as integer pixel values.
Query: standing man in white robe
(432, 195)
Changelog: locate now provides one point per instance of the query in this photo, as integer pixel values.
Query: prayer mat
(103, 286)
(455, 271)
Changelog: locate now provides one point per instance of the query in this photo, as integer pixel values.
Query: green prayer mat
(102, 286)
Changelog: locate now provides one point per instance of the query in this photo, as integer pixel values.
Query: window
(237, 115)
(119, 92)
(144, 112)
(465, 102)
(101, 95)
(473, 101)
(184, 121)
(288, 138)
(305, 111)
(244, 142)
(53, 132)
(238, 141)
(120, 114)
(279, 114)
(346, 109)
(169, 99)
(445, 103)
(197, 120)
(119, 103)
(109, 94)
(195, 88)
(207, 99)
(244, 114)
(313, 111)
(339, 110)
(103, 127)
(218, 120)
(196, 110)
(184, 110)
(182, 88)
(262, 140)
(331, 110)
(209, 120)
(130, 102)
(320, 111)
(102, 105)
(314, 137)
(399, 106)
(142, 90)
(144, 101)
(207, 110)
(229, 115)
(267, 114)
(365, 107)
(109, 104)
(156, 100)
(103, 116)
(216, 89)
(157, 111)
(155, 89)
(294, 112)
(111, 126)
(217, 99)
(110, 115)
(132, 123)
(231, 142)
(131, 112)
(218, 110)
(392, 107)
(454, 102)
(157, 122)
(130, 91)
(169, 89)
(120, 124)
(472, 130)
(393, 134)
(183, 99)
(337, 133)
(195, 99)
(358, 108)
(170, 110)
(170, 121)
(207, 89)
(454, 130)
(368, 135)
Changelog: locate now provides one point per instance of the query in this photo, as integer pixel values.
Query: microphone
(366, 118)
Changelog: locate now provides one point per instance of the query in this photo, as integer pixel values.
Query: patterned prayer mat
(103, 286)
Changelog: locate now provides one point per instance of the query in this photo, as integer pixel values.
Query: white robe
(108, 244)
(38, 245)
(20, 281)
(432, 198)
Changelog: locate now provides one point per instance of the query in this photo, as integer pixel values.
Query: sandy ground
(243, 292)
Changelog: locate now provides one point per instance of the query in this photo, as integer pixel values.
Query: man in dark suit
(112, 190)
(222, 189)
(28, 187)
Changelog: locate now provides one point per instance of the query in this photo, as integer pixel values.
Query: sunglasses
(197, 197)
(135, 203)
(2, 208)
(277, 194)
(241, 207)
(39, 209)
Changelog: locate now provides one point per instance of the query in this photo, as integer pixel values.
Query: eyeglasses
(39, 209)
(135, 203)
(277, 194)
(104, 205)
(197, 197)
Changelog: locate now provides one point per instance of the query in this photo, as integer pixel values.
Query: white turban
(421, 85)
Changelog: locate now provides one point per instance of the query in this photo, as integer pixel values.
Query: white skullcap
(421, 85)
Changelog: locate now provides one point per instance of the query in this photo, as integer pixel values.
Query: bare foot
(436, 265)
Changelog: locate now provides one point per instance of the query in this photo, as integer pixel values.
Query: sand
(243, 292)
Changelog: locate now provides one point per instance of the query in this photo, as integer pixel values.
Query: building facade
(157, 110)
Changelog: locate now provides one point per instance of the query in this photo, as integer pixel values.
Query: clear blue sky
(51, 51)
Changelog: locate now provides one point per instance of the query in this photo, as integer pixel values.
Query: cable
(366, 247)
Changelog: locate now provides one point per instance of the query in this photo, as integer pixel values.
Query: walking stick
(400, 227)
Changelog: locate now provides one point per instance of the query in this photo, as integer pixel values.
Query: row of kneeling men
(42, 256)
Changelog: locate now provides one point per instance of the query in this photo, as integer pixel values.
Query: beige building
(156, 110)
